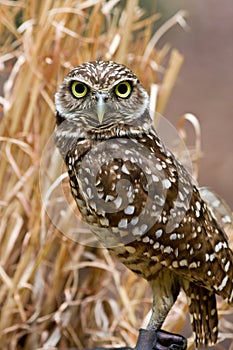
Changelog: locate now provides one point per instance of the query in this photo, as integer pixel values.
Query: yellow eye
(123, 89)
(79, 89)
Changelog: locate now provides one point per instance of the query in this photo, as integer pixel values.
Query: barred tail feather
(229, 272)
(204, 316)
(224, 287)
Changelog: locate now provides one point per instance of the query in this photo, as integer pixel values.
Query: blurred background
(205, 83)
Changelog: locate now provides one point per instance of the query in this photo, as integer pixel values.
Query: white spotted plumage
(126, 182)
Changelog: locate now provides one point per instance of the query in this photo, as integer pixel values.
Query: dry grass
(54, 292)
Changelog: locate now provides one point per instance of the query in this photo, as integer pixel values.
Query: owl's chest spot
(111, 196)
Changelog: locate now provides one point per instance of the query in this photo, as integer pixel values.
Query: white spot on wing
(223, 284)
(166, 183)
(158, 233)
(118, 202)
(129, 210)
(125, 170)
(123, 223)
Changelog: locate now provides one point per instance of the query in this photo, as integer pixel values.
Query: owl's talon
(170, 341)
(160, 340)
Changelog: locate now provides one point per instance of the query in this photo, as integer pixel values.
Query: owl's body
(137, 198)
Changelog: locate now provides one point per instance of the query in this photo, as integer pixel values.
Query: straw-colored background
(55, 293)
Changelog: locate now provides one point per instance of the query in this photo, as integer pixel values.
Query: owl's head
(101, 93)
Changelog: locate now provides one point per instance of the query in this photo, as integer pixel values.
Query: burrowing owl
(139, 200)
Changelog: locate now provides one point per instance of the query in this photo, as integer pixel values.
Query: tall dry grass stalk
(54, 292)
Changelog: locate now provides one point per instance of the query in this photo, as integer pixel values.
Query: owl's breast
(119, 186)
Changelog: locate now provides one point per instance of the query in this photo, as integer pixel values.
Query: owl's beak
(101, 106)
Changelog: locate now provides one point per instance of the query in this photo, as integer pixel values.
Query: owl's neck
(118, 130)
(69, 132)
(137, 127)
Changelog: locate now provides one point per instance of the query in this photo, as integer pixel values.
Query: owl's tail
(204, 316)
(225, 288)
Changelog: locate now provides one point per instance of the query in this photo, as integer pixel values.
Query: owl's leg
(165, 288)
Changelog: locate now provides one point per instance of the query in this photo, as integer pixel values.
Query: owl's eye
(123, 89)
(79, 89)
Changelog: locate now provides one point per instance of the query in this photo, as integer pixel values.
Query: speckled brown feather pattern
(140, 201)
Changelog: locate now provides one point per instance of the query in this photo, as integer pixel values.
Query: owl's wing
(197, 245)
